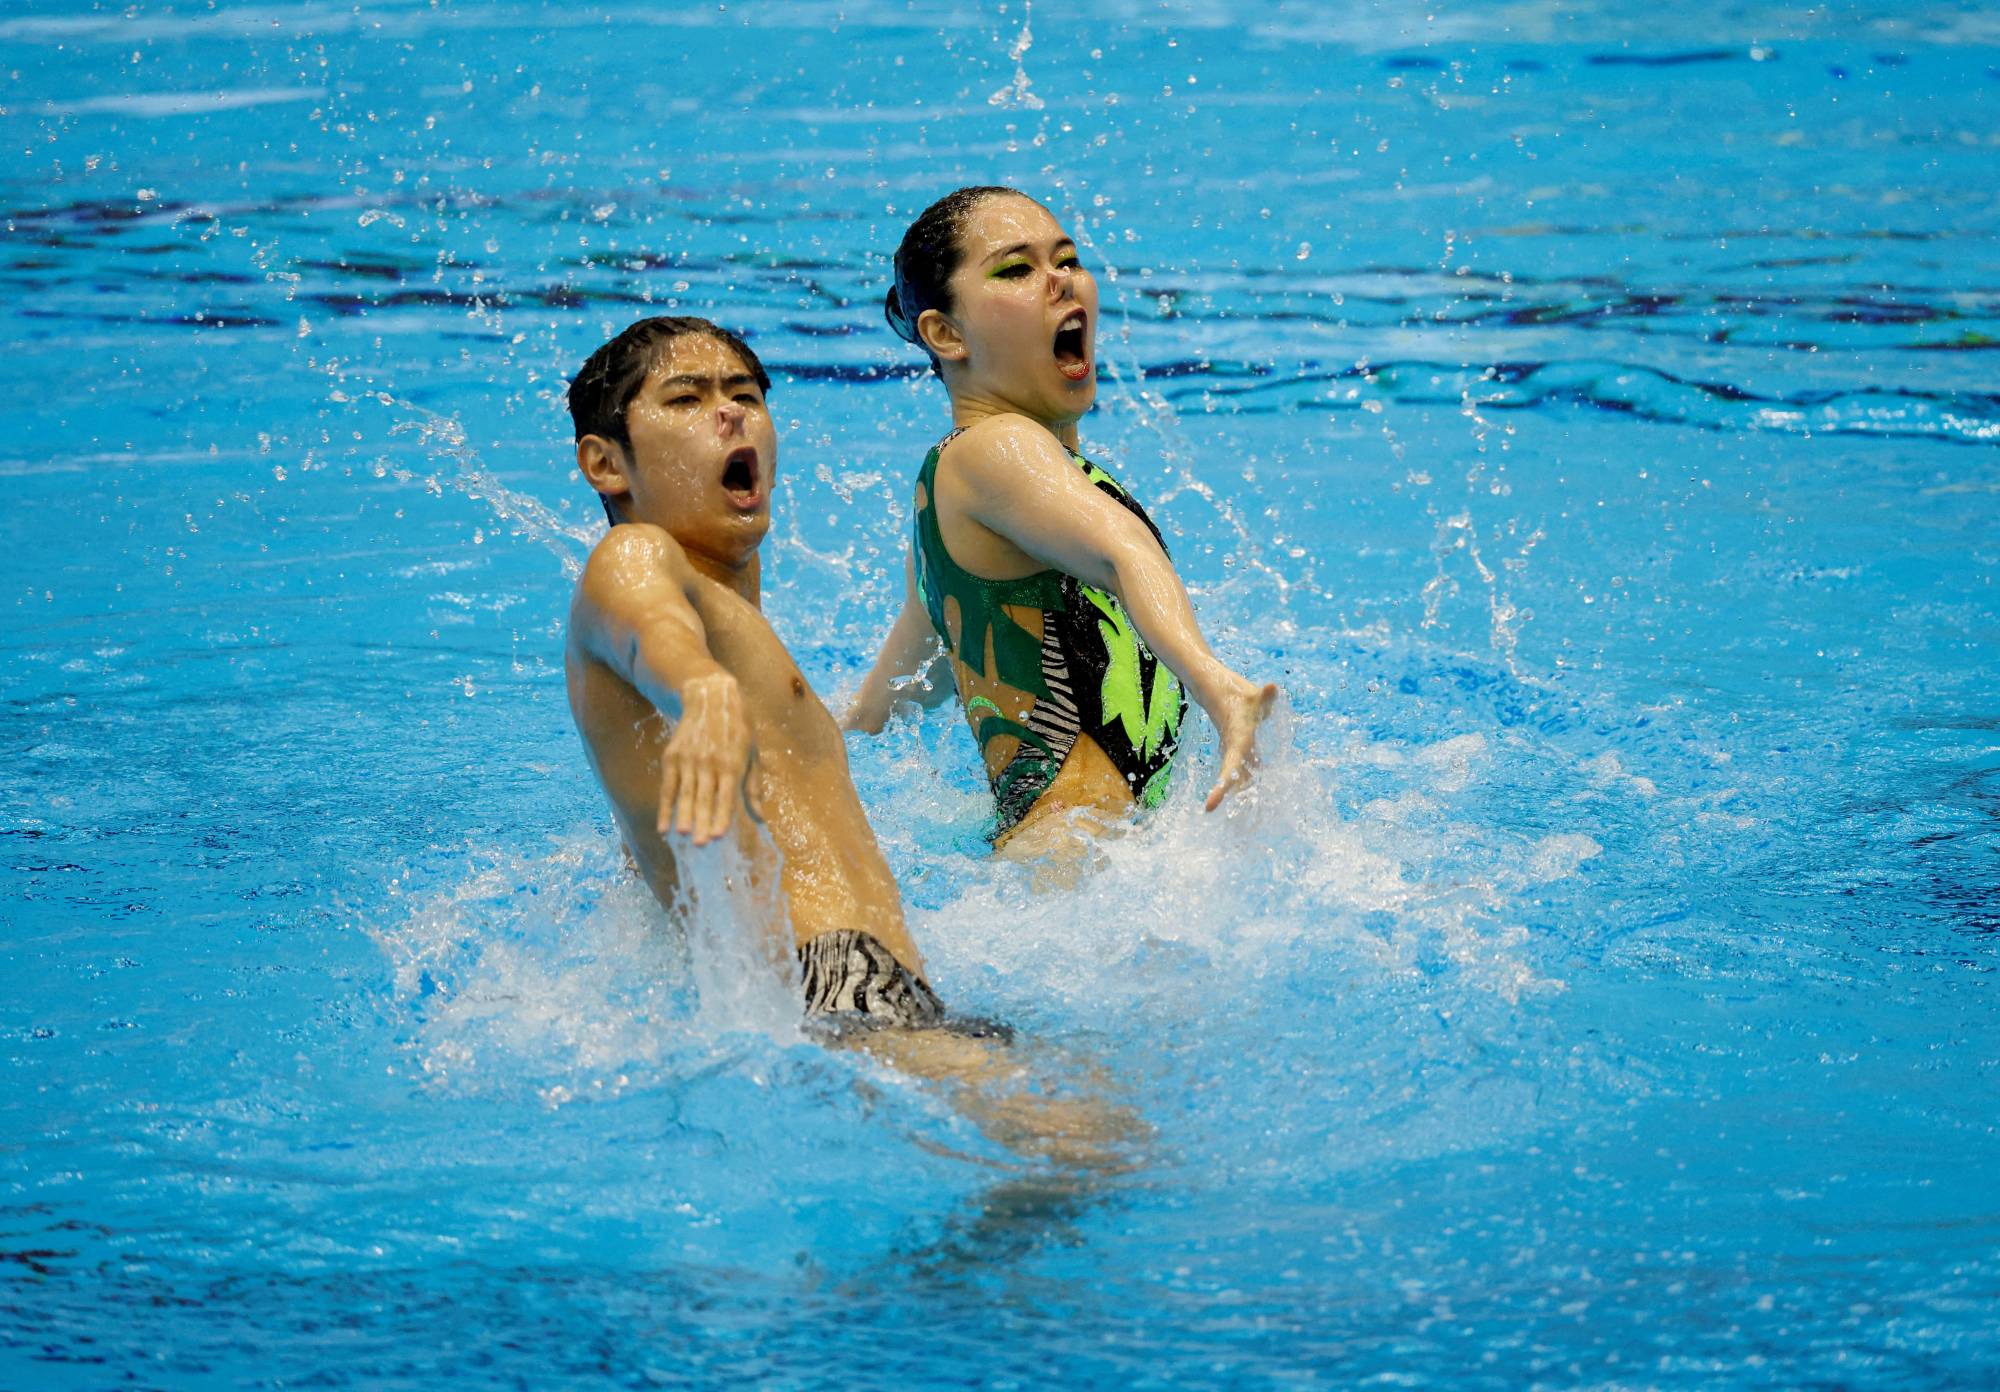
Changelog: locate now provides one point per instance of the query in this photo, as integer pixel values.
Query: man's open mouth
(739, 477)
(1072, 346)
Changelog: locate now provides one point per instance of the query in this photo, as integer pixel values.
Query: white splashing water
(562, 971)
(443, 438)
(739, 941)
(1017, 93)
(1187, 897)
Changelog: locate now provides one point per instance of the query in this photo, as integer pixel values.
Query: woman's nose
(729, 416)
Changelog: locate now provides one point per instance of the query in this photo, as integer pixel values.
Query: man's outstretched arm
(634, 614)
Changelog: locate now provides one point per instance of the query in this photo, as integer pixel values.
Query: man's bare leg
(994, 1088)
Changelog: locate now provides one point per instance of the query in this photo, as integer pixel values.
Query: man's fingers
(721, 805)
(670, 782)
(704, 805)
(690, 801)
(698, 797)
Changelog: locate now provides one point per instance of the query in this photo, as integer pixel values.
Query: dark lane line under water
(1589, 415)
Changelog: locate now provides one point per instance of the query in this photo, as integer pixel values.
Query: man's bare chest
(781, 704)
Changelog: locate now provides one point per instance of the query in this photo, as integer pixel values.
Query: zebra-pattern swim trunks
(849, 975)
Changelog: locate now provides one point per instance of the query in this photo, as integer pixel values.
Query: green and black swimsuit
(1087, 673)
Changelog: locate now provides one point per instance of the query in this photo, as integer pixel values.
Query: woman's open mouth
(739, 478)
(1072, 346)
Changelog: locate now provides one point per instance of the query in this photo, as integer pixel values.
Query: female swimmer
(1069, 634)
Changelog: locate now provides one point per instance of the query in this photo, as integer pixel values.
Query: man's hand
(1237, 713)
(709, 757)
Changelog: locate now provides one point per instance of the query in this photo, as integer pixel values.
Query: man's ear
(941, 336)
(602, 464)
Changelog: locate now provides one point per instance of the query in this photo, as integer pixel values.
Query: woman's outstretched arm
(910, 667)
(1012, 476)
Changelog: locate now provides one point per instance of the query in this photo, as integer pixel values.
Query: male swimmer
(1069, 634)
(685, 698)
(691, 709)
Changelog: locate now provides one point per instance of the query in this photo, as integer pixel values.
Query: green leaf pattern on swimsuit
(1148, 717)
(1097, 476)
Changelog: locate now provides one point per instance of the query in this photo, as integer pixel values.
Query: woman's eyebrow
(1019, 247)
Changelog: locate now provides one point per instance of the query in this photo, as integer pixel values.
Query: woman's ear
(602, 464)
(941, 336)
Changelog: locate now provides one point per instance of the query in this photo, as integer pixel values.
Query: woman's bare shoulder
(1000, 448)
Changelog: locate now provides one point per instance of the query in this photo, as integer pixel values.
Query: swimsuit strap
(981, 602)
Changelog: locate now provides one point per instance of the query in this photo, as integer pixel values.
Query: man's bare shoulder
(629, 573)
(630, 568)
(633, 556)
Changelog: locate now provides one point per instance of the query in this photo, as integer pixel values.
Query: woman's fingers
(1239, 743)
(1233, 772)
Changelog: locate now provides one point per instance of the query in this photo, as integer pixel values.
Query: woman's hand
(911, 666)
(1237, 712)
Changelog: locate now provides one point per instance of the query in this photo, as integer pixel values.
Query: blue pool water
(1588, 414)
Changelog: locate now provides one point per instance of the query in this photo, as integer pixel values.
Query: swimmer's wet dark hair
(608, 380)
(930, 253)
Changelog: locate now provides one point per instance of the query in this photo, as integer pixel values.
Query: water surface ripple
(1588, 414)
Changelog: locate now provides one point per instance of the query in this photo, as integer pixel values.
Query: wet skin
(1017, 355)
(686, 699)
(693, 713)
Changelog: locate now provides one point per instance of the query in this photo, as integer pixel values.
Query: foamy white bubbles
(1188, 907)
(560, 971)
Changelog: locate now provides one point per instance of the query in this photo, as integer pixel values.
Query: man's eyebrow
(702, 379)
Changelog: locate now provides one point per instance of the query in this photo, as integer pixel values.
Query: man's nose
(730, 417)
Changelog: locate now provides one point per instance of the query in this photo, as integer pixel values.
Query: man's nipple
(798, 685)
